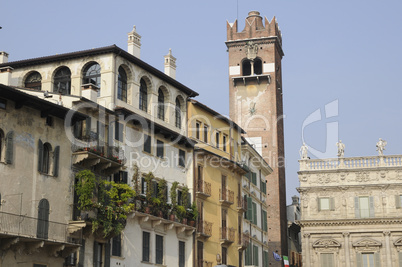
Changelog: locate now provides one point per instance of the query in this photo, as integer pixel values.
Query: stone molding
(326, 243)
(368, 221)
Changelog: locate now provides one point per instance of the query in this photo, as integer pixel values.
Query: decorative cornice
(367, 242)
(372, 221)
(326, 243)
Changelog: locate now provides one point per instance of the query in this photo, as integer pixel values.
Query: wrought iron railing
(226, 195)
(24, 226)
(110, 152)
(204, 228)
(204, 187)
(241, 203)
(228, 234)
(243, 240)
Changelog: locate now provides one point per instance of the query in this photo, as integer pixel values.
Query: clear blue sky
(350, 51)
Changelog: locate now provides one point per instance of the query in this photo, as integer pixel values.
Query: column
(347, 252)
(306, 259)
(387, 247)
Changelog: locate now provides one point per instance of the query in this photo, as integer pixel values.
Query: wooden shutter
(255, 213)
(249, 214)
(371, 214)
(248, 260)
(377, 259)
(159, 249)
(56, 155)
(107, 255)
(9, 149)
(81, 254)
(255, 255)
(145, 246)
(40, 155)
(332, 203)
(398, 202)
(254, 178)
(95, 259)
(357, 209)
(182, 254)
(189, 200)
(358, 260)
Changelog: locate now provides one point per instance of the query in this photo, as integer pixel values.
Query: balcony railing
(227, 234)
(350, 163)
(243, 240)
(203, 263)
(204, 228)
(241, 204)
(24, 226)
(226, 196)
(203, 188)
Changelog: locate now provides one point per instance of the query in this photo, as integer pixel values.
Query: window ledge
(46, 174)
(147, 262)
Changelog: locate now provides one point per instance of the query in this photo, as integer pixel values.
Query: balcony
(203, 263)
(203, 189)
(204, 229)
(227, 235)
(226, 197)
(243, 241)
(241, 204)
(31, 233)
(105, 159)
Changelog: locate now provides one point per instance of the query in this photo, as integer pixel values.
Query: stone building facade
(351, 211)
(255, 103)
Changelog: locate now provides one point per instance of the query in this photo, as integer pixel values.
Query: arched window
(246, 67)
(178, 113)
(143, 96)
(161, 105)
(62, 81)
(92, 75)
(257, 66)
(122, 85)
(34, 81)
(43, 219)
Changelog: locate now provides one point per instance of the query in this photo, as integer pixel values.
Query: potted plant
(173, 199)
(192, 214)
(162, 196)
(181, 214)
(149, 177)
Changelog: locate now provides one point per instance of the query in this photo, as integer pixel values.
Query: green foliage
(193, 212)
(181, 212)
(162, 190)
(149, 177)
(110, 201)
(185, 199)
(173, 194)
(136, 178)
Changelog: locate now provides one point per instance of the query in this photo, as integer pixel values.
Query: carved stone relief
(362, 177)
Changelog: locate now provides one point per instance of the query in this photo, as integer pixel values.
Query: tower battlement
(254, 28)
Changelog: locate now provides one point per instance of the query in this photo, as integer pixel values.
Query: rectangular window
(120, 177)
(182, 254)
(255, 213)
(39, 265)
(327, 259)
(159, 149)
(224, 142)
(368, 260)
(255, 255)
(217, 137)
(143, 186)
(98, 257)
(364, 206)
(116, 246)
(182, 158)
(159, 249)
(224, 255)
(254, 178)
(197, 130)
(265, 259)
(205, 133)
(147, 143)
(118, 134)
(145, 246)
(398, 201)
(3, 103)
(326, 203)
(248, 255)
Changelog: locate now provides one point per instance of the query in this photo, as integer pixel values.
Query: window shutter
(372, 214)
(155, 186)
(77, 129)
(318, 204)
(254, 178)
(95, 249)
(255, 256)
(255, 213)
(189, 200)
(9, 144)
(359, 260)
(107, 255)
(88, 126)
(56, 155)
(377, 259)
(398, 203)
(357, 209)
(143, 186)
(124, 177)
(249, 214)
(40, 155)
(81, 260)
(332, 203)
(167, 192)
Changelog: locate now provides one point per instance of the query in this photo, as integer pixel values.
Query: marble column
(307, 250)
(347, 251)
(388, 248)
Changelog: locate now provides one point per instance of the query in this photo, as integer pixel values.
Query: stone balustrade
(350, 163)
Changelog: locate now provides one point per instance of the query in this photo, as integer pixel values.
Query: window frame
(182, 158)
(146, 251)
(116, 246)
(159, 251)
(160, 148)
(182, 253)
(147, 144)
(161, 105)
(143, 96)
(122, 84)
(62, 76)
(178, 111)
(206, 133)
(35, 84)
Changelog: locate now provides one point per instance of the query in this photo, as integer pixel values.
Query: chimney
(134, 43)
(295, 200)
(3, 57)
(170, 64)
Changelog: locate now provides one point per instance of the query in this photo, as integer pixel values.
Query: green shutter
(95, 249)
(398, 201)
(371, 214)
(254, 178)
(377, 259)
(189, 200)
(255, 255)
(107, 254)
(255, 213)
(249, 214)
(81, 254)
(40, 155)
(358, 260)
(9, 149)
(56, 156)
(248, 175)
(357, 209)
(248, 257)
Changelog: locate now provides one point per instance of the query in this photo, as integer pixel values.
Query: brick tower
(255, 84)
